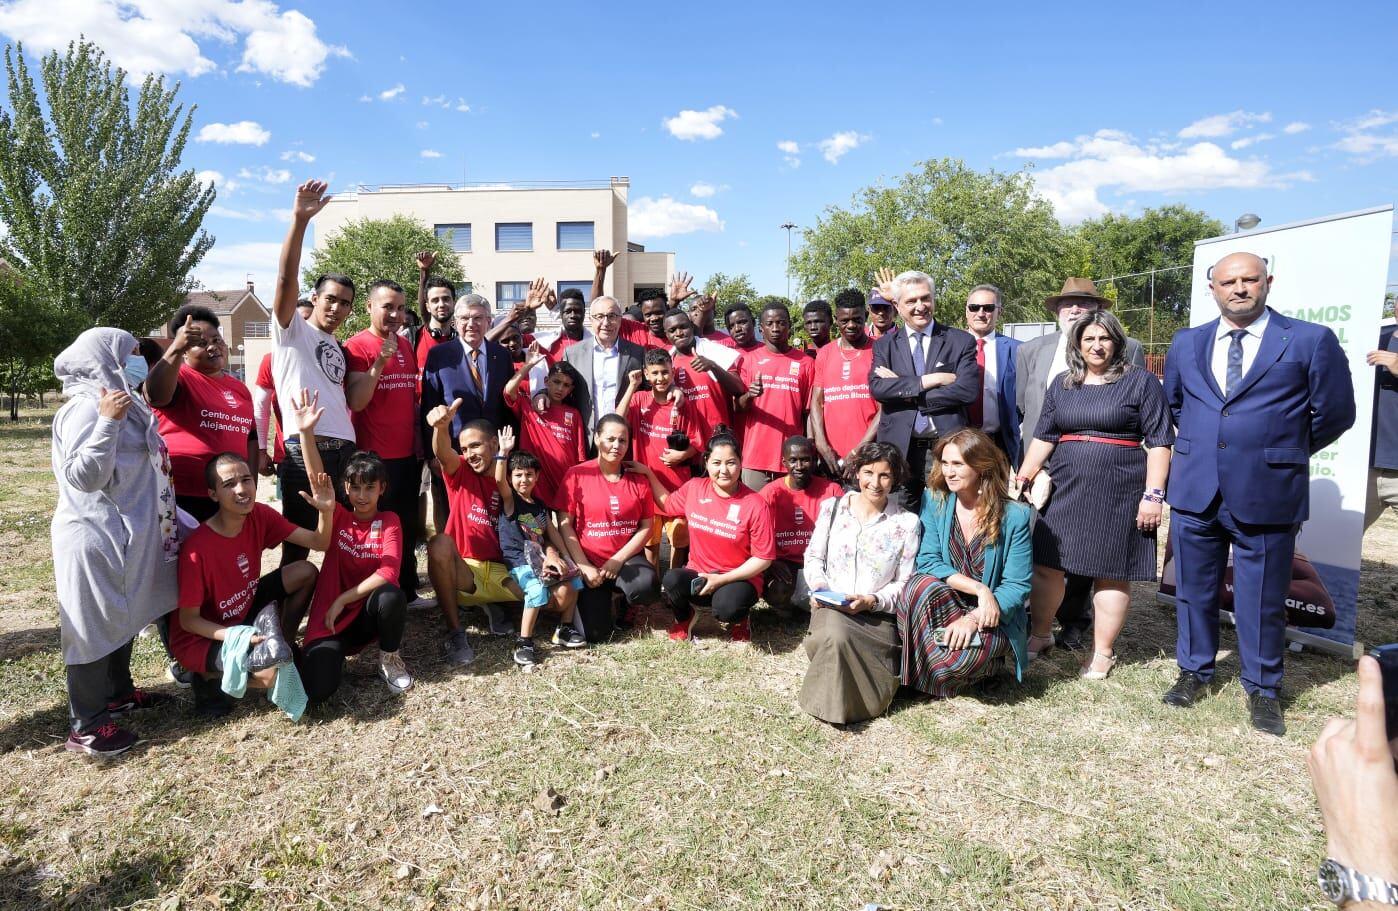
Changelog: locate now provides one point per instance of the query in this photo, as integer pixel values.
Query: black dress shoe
(1266, 712)
(1074, 638)
(1185, 690)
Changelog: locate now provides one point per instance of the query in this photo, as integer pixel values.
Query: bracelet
(501, 458)
(1157, 491)
(1152, 498)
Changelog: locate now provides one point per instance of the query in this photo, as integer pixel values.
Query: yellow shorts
(490, 584)
(677, 530)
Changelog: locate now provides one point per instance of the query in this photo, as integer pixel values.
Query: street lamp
(1246, 222)
(788, 227)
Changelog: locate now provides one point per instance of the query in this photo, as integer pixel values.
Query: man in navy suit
(468, 368)
(1383, 451)
(995, 410)
(1254, 394)
(924, 376)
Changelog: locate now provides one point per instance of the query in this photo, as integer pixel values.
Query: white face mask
(135, 370)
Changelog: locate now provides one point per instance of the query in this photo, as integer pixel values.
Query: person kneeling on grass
(731, 542)
(795, 500)
(533, 549)
(356, 600)
(466, 558)
(220, 591)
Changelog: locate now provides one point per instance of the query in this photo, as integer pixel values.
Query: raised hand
(389, 348)
(534, 356)
(305, 406)
(883, 283)
(635, 378)
(679, 288)
(322, 495)
(426, 260)
(310, 199)
(604, 258)
(441, 415)
(538, 294)
(188, 336)
(704, 303)
(507, 440)
(755, 387)
(114, 405)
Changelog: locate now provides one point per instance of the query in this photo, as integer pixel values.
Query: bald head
(1240, 283)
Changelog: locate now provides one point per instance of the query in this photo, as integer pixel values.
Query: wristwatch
(1342, 885)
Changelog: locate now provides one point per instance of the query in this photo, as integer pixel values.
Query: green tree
(960, 226)
(103, 227)
(370, 249)
(1128, 249)
(30, 333)
(730, 289)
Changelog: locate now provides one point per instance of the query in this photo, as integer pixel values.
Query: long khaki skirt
(853, 674)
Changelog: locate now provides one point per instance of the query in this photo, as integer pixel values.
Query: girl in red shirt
(731, 542)
(357, 600)
(555, 435)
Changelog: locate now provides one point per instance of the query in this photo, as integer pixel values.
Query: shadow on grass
(20, 642)
(117, 884)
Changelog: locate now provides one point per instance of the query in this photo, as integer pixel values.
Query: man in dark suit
(604, 360)
(1254, 394)
(924, 376)
(1037, 362)
(994, 411)
(469, 368)
(1383, 451)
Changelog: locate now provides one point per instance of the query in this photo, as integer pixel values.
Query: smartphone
(1387, 657)
(697, 585)
(939, 636)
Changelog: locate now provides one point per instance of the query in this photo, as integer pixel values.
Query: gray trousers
(91, 686)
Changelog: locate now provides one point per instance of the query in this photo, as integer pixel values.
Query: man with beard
(844, 414)
(436, 297)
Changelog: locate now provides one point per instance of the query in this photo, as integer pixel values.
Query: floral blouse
(863, 558)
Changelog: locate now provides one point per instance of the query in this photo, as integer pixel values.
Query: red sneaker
(683, 630)
(740, 631)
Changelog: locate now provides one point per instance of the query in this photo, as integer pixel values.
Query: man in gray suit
(1037, 362)
(604, 360)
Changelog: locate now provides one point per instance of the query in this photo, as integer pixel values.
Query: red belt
(1087, 438)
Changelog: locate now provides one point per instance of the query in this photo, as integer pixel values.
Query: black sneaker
(524, 654)
(568, 637)
(177, 675)
(209, 699)
(139, 699)
(107, 740)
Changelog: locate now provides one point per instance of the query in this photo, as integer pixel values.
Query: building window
(458, 237)
(584, 287)
(257, 329)
(507, 294)
(514, 237)
(575, 235)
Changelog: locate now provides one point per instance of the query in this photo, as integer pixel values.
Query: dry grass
(689, 778)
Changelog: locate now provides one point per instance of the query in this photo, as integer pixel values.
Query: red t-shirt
(705, 395)
(794, 513)
(779, 411)
(554, 352)
(264, 381)
(388, 423)
(556, 438)
(652, 423)
(218, 576)
(425, 343)
(724, 531)
(474, 501)
(207, 416)
(639, 334)
(723, 338)
(843, 377)
(357, 551)
(605, 514)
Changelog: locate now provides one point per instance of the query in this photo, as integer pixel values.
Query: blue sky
(732, 118)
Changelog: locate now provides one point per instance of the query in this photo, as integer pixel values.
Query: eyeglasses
(981, 308)
(605, 317)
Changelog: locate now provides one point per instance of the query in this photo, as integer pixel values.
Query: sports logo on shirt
(795, 369)
(734, 512)
(844, 370)
(614, 504)
(799, 516)
(568, 417)
(243, 565)
(230, 398)
(376, 531)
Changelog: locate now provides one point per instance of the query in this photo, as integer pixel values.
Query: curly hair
(983, 457)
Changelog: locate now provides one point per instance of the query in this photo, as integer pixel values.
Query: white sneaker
(393, 672)
(422, 602)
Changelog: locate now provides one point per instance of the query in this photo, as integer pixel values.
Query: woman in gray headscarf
(114, 532)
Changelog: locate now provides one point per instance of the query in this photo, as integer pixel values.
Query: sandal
(1088, 673)
(1045, 644)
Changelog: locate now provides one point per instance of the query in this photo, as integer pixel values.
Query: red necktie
(978, 405)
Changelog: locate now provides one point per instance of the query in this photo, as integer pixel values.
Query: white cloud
(275, 176)
(692, 125)
(446, 104)
(159, 36)
(390, 94)
(664, 217)
(431, 153)
(936, 121)
(596, 135)
(1057, 150)
(423, 124)
(231, 265)
(835, 147)
(1113, 160)
(1374, 119)
(221, 183)
(703, 190)
(1365, 145)
(275, 215)
(792, 150)
(1223, 124)
(1246, 141)
(298, 155)
(1296, 126)
(244, 132)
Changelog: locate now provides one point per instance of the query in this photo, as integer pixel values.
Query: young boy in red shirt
(795, 502)
(555, 436)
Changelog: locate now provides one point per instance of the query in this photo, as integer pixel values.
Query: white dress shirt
(990, 387)
(1251, 342)
(1059, 364)
(914, 342)
(606, 363)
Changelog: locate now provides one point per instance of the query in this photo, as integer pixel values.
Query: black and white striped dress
(1089, 526)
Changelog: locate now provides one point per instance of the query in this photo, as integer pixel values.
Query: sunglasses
(980, 308)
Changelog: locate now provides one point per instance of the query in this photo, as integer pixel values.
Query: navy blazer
(1005, 349)
(950, 350)
(1383, 451)
(447, 377)
(1254, 447)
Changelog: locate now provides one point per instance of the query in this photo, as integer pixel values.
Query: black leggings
(322, 663)
(730, 602)
(637, 582)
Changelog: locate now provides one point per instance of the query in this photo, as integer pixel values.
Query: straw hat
(1077, 287)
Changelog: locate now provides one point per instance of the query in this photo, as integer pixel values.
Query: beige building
(509, 234)
(245, 323)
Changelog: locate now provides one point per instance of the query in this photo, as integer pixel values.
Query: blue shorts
(536, 593)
